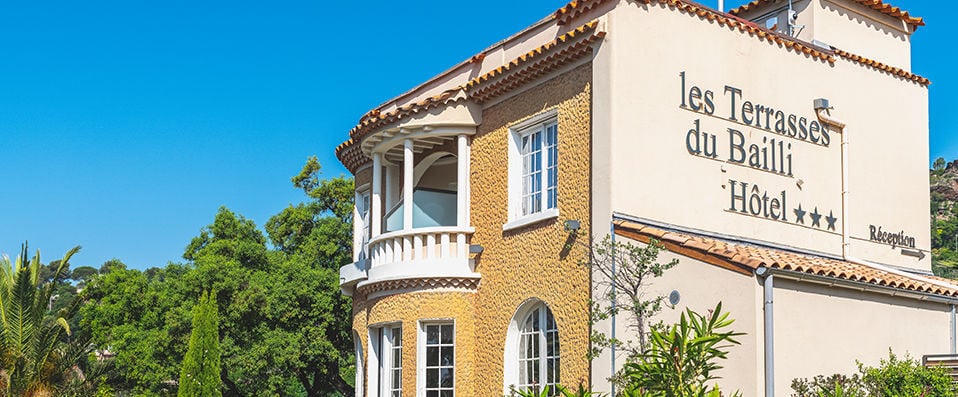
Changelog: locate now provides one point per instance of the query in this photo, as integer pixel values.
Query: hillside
(944, 218)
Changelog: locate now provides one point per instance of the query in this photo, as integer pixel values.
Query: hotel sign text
(770, 152)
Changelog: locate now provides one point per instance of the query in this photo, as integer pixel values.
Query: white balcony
(421, 253)
(412, 221)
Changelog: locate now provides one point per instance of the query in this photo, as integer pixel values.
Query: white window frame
(358, 345)
(380, 368)
(512, 353)
(362, 224)
(421, 354)
(516, 217)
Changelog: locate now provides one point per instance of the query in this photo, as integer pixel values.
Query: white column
(407, 184)
(462, 182)
(375, 199)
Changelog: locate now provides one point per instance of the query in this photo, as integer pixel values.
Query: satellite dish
(674, 297)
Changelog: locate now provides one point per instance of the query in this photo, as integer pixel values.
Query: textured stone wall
(408, 309)
(535, 261)
(538, 261)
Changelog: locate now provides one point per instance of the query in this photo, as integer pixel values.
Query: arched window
(532, 351)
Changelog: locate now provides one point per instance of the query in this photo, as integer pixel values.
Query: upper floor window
(362, 224)
(533, 170)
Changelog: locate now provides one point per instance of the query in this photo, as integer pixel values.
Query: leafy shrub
(906, 377)
(836, 385)
(683, 358)
(894, 377)
(559, 391)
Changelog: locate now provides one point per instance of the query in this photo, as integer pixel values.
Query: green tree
(626, 270)
(200, 374)
(285, 326)
(144, 321)
(939, 165)
(35, 358)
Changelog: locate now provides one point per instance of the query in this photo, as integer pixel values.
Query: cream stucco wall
(861, 30)
(821, 330)
(653, 175)
(701, 286)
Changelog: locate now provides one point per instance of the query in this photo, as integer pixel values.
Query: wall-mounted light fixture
(475, 249)
(572, 225)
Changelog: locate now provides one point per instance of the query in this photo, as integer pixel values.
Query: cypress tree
(200, 373)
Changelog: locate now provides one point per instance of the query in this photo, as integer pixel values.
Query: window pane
(397, 378)
(432, 393)
(432, 356)
(432, 334)
(446, 393)
(446, 357)
(432, 377)
(446, 334)
(445, 377)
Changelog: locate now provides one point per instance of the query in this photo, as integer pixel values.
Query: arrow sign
(915, 253)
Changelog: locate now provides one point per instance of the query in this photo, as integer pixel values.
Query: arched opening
(531, 359)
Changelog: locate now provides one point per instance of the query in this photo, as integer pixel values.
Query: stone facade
(540, 261)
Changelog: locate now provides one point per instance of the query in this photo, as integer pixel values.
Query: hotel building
(778, 151)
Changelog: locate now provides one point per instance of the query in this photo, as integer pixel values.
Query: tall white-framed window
(395, 358)
(534, 170)
(437, 359)
(358, 345)
(361, 224)
(386, 361)
(532, 359)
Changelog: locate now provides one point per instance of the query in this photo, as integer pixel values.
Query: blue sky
(124, 125)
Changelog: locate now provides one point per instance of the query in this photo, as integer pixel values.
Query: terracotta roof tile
(575, 8)
(751, 28)
(877, 5)
(899, 72)
(566, 48)
(741, 256)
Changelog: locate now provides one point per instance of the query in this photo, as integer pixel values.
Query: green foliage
(559, 391)
(905, 377)
(938, 167)
(894, 377)
(285, 328)
(836, 385)
(200, 374)
(683, 358)
(144, 320)
(635, 267)
(35, 357)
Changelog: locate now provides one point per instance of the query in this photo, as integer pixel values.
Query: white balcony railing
(424, 252)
